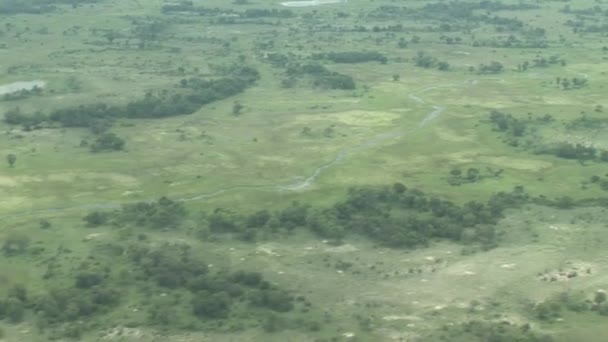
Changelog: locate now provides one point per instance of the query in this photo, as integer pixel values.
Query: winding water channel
(299, 184)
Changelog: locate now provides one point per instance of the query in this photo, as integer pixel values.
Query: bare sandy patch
(13, 202)
(122, 333)
(113, 177)
(276, 158)
(401, 110)
(129, 192)
(266, 250)
(492, 100)
(402, 318)
(92, 236)
(559, 100)
(354, 118)
(462, 157)
(308, 3)
(342, 249)
(515, 163)
(460, 270)
(451, 135)
(6, 181)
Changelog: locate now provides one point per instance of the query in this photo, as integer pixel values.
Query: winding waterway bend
(300, 183)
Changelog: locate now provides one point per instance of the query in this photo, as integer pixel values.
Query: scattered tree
(11, 159)
(108, 142)
(237, 107)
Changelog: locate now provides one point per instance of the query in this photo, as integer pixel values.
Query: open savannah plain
(303, 171)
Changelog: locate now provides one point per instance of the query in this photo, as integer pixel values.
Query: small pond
(307, 3)
(21, 85)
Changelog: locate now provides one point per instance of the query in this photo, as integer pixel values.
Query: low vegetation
(222, 170)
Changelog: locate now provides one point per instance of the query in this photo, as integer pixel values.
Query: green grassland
(310, 144)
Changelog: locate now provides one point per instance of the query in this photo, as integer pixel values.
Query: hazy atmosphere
(303, 171)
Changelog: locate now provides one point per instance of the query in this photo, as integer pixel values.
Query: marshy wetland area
(323, 171)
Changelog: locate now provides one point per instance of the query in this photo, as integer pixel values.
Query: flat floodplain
(462, 101)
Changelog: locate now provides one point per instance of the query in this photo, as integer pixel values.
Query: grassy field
(402, 123)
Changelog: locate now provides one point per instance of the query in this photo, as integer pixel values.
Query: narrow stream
(299, 184)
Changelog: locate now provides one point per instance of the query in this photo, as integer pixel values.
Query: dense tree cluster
(602, 182)
(213, 294)
(13, 306)
(589, 11)
(11, 7)
(108, 142)
(196, 295)
(571, 83)
(251, 13)
(16, 117)
(97, 218)
(518, 132)
(567, 202)
(585, 19)
(91, 116)
(580, 302)
(541, 62)
(471, 175)
(88, 295)
(493, 6)
(426, 61)
(585, 122)
(396, 217)
(351, 57)
(456, 12)
(486, 331)
(408, 217)
(508, 123)
(164, 213)
(492, 68)
(335, 80)
(515, 129)
(576, 151)
(321, 77)
(99, 116)
(512, 41)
